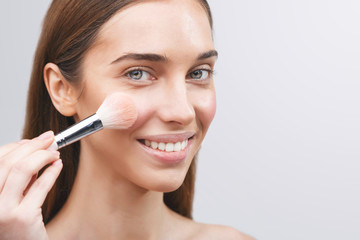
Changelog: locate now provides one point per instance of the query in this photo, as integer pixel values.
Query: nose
(175, 104)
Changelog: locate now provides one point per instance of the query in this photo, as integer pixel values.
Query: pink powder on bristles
(117, 111)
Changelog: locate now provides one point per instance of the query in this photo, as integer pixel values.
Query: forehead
(157, 25)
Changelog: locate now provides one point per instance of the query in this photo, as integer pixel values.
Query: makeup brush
(116, 112)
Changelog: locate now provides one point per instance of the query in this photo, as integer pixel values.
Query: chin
(165, 183)
(165, 188)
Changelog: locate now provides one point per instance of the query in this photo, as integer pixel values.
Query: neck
(104, 206)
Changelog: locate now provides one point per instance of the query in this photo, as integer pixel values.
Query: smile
(167, 147)
(167, 142)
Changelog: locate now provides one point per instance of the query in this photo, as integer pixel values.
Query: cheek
(90, 101)
(146, 106)
(205, 108)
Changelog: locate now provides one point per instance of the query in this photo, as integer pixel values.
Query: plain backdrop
(281, 160)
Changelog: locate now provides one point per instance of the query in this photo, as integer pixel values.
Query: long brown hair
(69, 29)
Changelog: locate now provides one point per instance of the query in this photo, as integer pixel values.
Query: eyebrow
(160, 58)
(142, 56)
(208, 54)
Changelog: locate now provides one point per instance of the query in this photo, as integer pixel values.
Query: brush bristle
(117, 111)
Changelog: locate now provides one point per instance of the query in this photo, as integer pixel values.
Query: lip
(168, 157)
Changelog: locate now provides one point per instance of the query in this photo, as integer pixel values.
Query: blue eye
(138, 75)
(200, 74)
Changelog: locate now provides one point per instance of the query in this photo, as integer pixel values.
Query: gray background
(281, 160)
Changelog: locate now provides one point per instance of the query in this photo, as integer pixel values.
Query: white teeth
(154, 145)
(184, 144)
(168, 147)
(161, 146)
(177, 146)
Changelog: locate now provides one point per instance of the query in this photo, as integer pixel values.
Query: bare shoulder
(189, 229)
(209, 231)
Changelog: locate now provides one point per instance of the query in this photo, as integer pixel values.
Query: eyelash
(209, 72)
(142, 71)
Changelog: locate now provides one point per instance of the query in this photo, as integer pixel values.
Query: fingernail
(45, 135)
(56, 153)
(57, 162)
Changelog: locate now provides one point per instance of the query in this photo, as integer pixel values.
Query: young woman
(113, 185)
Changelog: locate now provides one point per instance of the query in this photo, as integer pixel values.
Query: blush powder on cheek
(205, 109)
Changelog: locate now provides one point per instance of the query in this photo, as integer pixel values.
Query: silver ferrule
(79, 130)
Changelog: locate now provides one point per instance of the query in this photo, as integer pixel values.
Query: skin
(118, 191)
(21, 194)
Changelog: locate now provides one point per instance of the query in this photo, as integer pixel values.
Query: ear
(63, 95)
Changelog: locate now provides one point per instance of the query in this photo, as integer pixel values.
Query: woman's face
(161, 54)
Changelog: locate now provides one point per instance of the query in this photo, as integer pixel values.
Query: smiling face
(161, 54)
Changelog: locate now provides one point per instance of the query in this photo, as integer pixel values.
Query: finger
(21, 173)
(4, 150)
(27, 147)
(5, 165)
(22, 151)
(7, 148)
(32, 180)
(41, 187)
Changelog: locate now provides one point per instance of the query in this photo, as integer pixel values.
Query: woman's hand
(21, 193)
